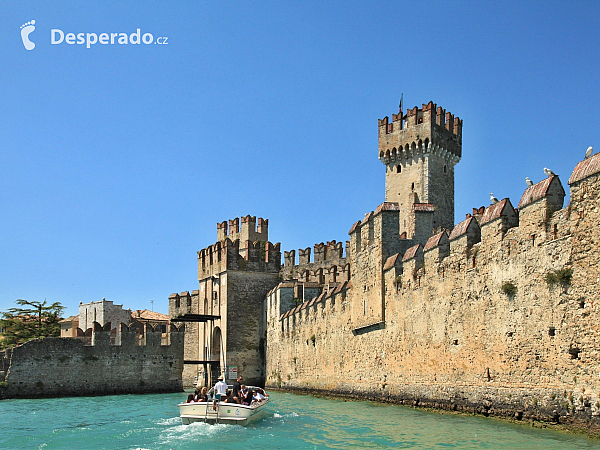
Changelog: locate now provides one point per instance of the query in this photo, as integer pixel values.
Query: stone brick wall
(189, 303)
(456, 335)
(329, 265)
(245, 324)
(58, 367)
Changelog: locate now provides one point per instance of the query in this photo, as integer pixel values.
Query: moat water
(293, 422)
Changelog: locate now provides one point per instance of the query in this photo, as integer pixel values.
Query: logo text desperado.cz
(58, 37)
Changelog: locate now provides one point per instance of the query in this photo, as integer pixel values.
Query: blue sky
(117, 161)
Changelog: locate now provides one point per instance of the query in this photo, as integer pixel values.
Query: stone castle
(495, 315)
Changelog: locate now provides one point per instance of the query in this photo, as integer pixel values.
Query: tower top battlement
(248, 231)
(421, 130)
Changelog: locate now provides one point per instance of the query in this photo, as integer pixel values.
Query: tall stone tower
(227, 312)
(420, 150)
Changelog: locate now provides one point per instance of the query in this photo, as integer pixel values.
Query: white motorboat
(221, 412)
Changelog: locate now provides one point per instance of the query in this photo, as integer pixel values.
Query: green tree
(32, 320)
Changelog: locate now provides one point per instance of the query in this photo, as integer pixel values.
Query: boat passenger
(258, 396)
(190, 398)
(237, 386)
(262, 391)
(203, 395)
(248, 399)
(230, 398)
(221, 388)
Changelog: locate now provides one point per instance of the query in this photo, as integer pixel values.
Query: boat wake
(283, 416)
(177, 433)
(171, 421)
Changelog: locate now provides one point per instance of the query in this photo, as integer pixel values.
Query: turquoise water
(293, 422)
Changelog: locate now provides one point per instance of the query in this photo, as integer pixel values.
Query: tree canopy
(31, 321)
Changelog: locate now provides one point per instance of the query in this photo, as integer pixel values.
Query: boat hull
(230, 413)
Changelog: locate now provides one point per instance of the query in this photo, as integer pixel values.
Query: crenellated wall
(257, 256)
(58, 367)
(498, 315)
(329, 265)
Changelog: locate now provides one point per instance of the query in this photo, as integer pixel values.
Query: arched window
(398, 168)
(445, 168)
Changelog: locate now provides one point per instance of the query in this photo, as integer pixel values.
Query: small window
(445, 168)
(412, 187)
(398, 168)
(420, 120)
(177, 303)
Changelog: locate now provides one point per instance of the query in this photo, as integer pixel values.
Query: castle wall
(58, 367)
(329, 265)
(186, 303)
(456, 333)
(244, 322)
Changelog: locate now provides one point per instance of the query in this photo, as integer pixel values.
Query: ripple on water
(293, 422)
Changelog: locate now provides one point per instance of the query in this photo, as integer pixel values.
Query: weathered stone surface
(58, 367)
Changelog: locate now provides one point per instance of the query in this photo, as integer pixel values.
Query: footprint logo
(26, 30)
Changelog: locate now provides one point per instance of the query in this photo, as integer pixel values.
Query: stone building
(102, 312)
(495, 315)
(69, 327)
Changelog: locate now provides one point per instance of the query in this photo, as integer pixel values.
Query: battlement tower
(419, 151)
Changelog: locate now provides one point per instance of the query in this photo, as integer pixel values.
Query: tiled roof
(460, 228)
(434, 241)
(70, 319)
(144, 314)
(535, 192)
(411, 252)
(387, 206)
(390, 262)
(356, 225)
(494, 211)
(367, 217)
(423, 207)
(583, 169)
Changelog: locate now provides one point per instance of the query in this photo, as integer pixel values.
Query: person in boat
(243, 392)
(262, 391)
(203, 395)
(258, 396)
(248, 399)
(220, 388)
(190, 398)
(237, 386)
(230, 398)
